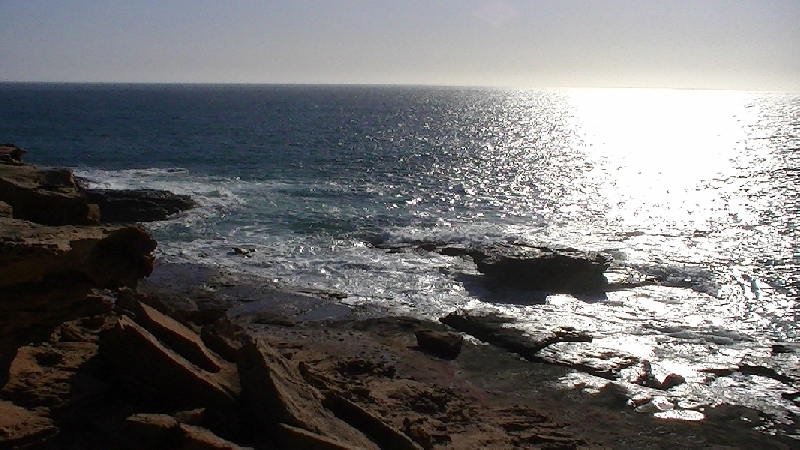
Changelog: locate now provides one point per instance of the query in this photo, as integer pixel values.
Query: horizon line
(396, 85)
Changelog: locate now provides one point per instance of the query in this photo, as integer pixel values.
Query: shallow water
(698, 188)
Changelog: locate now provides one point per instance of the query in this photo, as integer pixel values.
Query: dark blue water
(698, 187)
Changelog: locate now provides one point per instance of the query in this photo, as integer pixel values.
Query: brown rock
(300, 439)
(47, 273)
(177, 337)
(102, 256)
(11, 154)
(150, 431)
(52, 376)
(376, 428)
(190, 417)
(148, 371)
(277, 394)
(45, 196)
(6, 211)
(198, 438)
(441, 343)
(224, 337)
(20, 428)
(225, 346)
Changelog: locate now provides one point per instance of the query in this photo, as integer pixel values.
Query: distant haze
(705, 44)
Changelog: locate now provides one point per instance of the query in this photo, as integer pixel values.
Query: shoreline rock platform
(94, 355)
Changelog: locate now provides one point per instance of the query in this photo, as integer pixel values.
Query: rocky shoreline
(94, 354)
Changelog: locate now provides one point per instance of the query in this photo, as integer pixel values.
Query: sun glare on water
(656, 150)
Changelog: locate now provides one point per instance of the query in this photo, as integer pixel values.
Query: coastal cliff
(88, 361)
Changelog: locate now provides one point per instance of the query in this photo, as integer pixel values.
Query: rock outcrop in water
(543, 269)
(54, 197)
(525, 267)
(137, 205)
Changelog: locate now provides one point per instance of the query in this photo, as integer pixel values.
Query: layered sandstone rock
(46, 196)
(47, 273)
(55, 197)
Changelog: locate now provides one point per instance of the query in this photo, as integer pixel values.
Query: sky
(699, 44)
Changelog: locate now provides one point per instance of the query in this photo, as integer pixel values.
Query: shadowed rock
(526, 267)
(11, 154)
(286, 405)
(21, 428)
(492, 328)
(6, 211)
(439, 343)
(543, 269)
(137, 205)
(146, 370)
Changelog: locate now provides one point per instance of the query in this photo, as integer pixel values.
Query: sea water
(697, 188)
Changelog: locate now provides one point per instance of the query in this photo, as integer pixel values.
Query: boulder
(53, 376)
(542, 269)
(21, 428)
(137, 205)
(440, 343)
(285, 404)
(45, 196)
(6, 211)
(11, 154)
(568, 271)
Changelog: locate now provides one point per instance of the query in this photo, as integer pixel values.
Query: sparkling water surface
(696, 187)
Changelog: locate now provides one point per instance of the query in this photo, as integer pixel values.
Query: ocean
(698, 188)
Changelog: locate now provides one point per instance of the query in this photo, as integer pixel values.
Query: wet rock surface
(492, 328)
(137, 205)
(526, 267)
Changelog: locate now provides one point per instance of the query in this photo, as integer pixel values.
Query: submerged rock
(598, 361)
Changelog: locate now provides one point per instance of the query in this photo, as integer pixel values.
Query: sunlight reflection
(652, 149)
